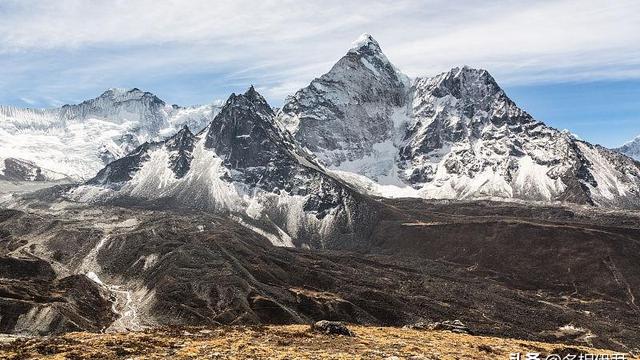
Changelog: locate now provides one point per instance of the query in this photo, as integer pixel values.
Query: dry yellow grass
(279, 342)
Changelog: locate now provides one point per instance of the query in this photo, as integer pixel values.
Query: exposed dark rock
(25, 269)
(259, 159)
(331, 328)
(450, 325)
(34, 302)
(123, 169)
(502, 269)
(245, 136)
(22, 170)
(455, 326)
(180, 147)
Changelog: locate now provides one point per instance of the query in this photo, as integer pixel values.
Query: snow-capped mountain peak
(365, 43)
(351, 112)
(120, 105)
(631, 148)
(78, 140)
(367, 51)
(466, 82)
(125, 93)
(250, 99)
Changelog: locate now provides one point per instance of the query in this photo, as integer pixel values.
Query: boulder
(455, 326)
(331, 328)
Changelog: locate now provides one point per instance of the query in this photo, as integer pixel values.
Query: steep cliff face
(349, 116)
(121, 105)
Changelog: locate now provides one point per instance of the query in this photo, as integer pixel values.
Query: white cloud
(282, 45)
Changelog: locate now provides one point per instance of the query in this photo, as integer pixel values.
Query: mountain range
(76, 141)
(453, 136)
(242, 163)
(367, 197)
(456, 135)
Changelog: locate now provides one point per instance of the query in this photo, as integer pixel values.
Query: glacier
(78, 140)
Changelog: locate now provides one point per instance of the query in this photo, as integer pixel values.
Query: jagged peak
(464, 72)
(245, 132)
(184, 130)
(467, 72)
(184, 137)
(367, 51)
(458, 78)
(110, 92)
(121, 94)
(117, 91)
(251, 97)
(365, 41)
(635, 140)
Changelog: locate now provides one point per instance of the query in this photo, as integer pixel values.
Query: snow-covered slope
(631, 148)
(243, 163)
(350, 116)
(78, 140)
(455, 135)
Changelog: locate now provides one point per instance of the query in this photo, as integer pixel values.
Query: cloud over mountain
(282, 44)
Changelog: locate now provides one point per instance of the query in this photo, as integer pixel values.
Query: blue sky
(572, 64)
(603, 112)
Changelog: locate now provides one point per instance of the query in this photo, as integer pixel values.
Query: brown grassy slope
(279, 342)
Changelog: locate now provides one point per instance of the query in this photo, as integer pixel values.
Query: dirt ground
(283, 342)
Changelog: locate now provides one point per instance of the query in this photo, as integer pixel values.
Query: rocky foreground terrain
(285, 342)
